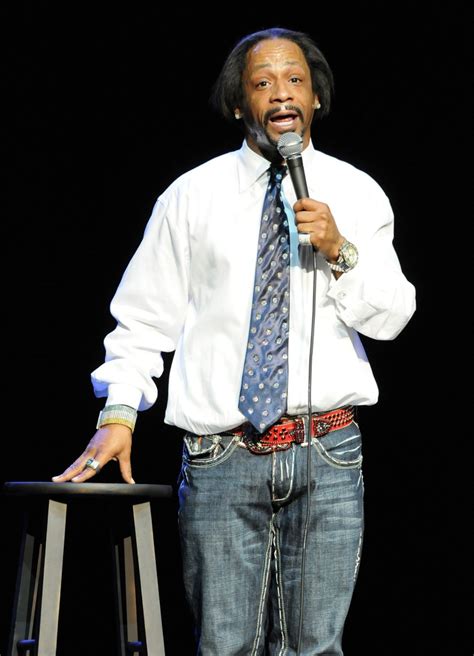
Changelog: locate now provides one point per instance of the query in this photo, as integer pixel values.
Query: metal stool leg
(148, 579)
(126, 597)
(52, 574)
(26, 593)
(130, 594)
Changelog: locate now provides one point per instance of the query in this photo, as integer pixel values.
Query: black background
(108, 106)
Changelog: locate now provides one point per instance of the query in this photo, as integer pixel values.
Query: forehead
(274, 52)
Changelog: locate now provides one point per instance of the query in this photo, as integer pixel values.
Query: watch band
(337, 267)
(347, 259)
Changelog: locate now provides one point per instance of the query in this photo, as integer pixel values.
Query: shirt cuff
(357, 300)
(124, 395)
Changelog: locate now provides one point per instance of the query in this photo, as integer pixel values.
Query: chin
(274, 140)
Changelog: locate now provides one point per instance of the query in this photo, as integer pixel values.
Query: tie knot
(277, 173)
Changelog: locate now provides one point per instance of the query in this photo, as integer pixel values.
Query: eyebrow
(292, 62)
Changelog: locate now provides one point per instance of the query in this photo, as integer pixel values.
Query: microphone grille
(290, 144)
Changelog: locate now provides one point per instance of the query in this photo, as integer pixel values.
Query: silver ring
(93, 464)
(304, 238)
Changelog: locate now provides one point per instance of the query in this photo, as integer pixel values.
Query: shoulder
(349, 191)
(339, 171)
(203, 177)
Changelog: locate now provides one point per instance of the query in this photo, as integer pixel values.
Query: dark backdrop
(107, 108)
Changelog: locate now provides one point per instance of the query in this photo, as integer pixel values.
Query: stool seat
(38, 590)
(138, 491)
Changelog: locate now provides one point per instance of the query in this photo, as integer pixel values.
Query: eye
(262, 84)
(295, 79)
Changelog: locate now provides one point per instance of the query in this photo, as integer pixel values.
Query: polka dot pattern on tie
(264, 388)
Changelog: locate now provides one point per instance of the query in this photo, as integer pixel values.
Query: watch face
(349, 254)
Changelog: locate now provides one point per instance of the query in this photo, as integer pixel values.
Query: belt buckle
(256, 446)
(298, 431)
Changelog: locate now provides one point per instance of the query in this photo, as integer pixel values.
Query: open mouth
(285, 118)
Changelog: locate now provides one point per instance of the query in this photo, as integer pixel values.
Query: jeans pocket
(207, 450)
(341, 448)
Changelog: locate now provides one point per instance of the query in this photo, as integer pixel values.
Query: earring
(317, 105)
(237, 115)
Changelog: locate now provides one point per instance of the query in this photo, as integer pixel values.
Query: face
(278, 95)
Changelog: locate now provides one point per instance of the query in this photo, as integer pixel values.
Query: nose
(281, 91)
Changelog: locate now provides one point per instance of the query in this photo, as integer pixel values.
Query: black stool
(35, 618)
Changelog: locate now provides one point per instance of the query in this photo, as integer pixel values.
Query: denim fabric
(241, 523)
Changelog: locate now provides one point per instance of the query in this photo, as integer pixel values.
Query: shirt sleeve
(149, 307)
(374, 298)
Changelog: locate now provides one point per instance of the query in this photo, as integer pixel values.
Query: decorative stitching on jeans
(333, 461)
(273, 472)
(279, 587)
(263, 593)
(291, 476)
(206, 463)
(341, 453)
(358, 555)
(349, 439)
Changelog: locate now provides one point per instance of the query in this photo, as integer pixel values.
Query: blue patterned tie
(264, 387)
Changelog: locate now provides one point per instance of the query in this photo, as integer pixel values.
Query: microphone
(290, 146)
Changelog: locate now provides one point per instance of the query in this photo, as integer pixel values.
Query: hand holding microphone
(320, 228)
(290, 147)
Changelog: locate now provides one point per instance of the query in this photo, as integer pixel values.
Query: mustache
(277, 110)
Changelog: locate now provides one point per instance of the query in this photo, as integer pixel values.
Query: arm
(374, 298)
(149, 306)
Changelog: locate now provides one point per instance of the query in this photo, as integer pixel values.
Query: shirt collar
(251, 166)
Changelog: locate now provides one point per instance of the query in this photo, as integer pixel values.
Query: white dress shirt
(188, 289)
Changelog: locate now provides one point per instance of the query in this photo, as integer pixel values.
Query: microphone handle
(298, 178)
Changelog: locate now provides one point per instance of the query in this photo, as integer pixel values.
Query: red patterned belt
(290, 430)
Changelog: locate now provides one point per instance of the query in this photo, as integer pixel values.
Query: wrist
(117, 414)
(347, 257)
(334, 255)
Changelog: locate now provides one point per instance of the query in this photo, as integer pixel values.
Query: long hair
(227, 93)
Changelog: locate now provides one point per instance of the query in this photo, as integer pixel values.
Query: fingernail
(132, 481)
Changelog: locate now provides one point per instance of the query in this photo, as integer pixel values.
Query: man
(270, 556)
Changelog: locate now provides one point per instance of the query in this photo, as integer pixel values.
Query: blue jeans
(242, 519)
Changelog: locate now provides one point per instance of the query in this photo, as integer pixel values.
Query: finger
(308, 235)
(305, 227)
(85, 474)
(304, 239)
(74, 469)
(126, 470)
(303, 218)
(90, 470)
(306, 204)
